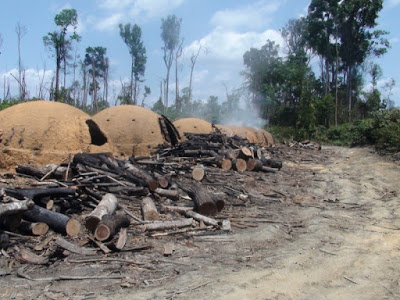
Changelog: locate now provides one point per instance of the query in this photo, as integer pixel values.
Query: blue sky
(226, 28)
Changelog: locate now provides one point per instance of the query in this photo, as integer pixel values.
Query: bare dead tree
(21, 32)
(178, 54)
(193, 60)
(106, 75)
(85, 83)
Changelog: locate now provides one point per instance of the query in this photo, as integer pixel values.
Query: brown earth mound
(192, 125)
(43, 132)
(258, 136)
(133, 130)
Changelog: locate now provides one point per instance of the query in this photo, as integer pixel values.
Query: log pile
(93, 202)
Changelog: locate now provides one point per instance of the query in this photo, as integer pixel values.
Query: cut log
(31, 170)
(268, 170)
(107, 206)
(110, 225)
(56, 221)
(142, 176)
(239, 165)
(199, 217)
(245, 153)
(277, 164)
(12, 208)
(171, 194)
(11, 222)
(162, 180)
(198, 172)
(168, 224)
(33, 228)
(225, 164)
(203, 201)
(35, 194)
(220, 203)
(254, 165)
(149, 209)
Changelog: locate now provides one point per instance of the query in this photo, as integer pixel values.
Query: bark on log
(73, 248)
(35, 194)
(15, 207)
(109, 226)
(171, 194)
(142, 176)
(200, 217)
(277, 164)
(107, 206)
(56, 221)
(268, 170)
(27, 256)
(202, 199)
(239, 165)
(149, 210)
(33, 228)
(31, 170)
(168, 224)
(219, 203)
(254, 165)
(11, 222)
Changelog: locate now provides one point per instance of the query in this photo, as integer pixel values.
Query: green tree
(358, 40)
(170, 35)
(60, 43)
(95, 60)
(132, 37)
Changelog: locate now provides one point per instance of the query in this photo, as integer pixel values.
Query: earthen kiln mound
(192, 125)
(43, 132)
(133, 130)
(258, 136)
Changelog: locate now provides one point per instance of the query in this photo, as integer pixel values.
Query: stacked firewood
(95, 198)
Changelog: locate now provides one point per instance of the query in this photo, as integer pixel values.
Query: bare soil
(326, 226)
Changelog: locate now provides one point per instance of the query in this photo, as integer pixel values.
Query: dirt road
(347, 248)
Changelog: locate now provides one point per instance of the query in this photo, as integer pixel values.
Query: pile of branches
(93, 199)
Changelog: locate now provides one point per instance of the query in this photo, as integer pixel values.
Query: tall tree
(95, 60)
(132, 37)
(178, 100)
(60, 43)
(21, 31)
(170, 34)
(358, 40)
(193, 60)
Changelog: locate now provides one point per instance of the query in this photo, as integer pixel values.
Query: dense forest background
(313, 88)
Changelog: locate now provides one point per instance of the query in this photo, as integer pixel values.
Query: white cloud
(393, 3)
(228, 46)
(110, 22)
(254, 16)
(119, 11)
(218, 67)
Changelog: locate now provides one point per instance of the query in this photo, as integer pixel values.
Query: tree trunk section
(239, 165)
(149, 210)
(56, 221)
(109, 226)
(107, 206)
(203, 201)
(33, 228)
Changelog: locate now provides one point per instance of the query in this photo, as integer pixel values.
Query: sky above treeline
(226, 29)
